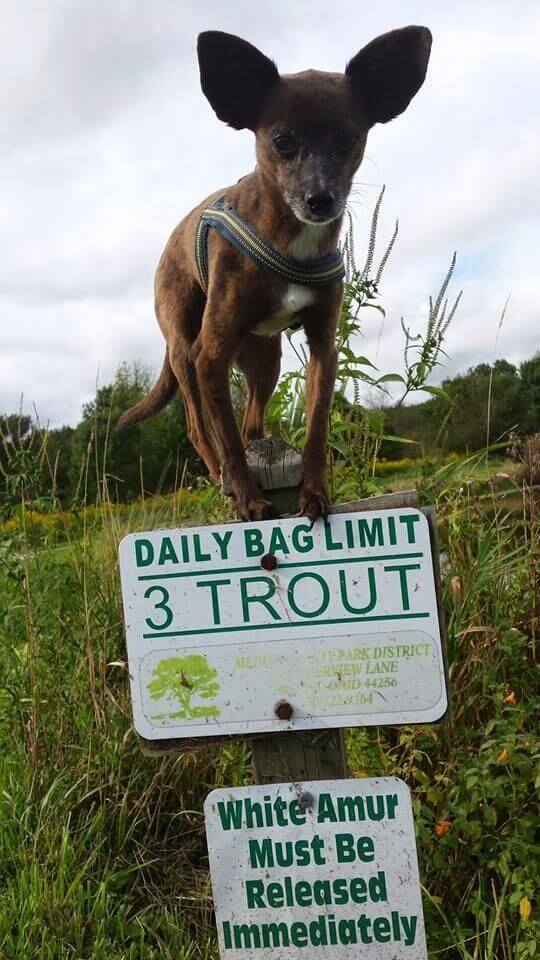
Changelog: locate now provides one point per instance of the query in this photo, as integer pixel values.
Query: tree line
(481, 407)
(69, 466)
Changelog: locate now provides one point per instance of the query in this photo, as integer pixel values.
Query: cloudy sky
(106, 141)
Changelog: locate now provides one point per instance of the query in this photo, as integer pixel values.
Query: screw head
(283, 710)
(269, 561)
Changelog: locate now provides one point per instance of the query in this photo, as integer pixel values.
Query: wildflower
(442, 827)
(511, 698)
(504, 756)
(525, 908)
(360, 773)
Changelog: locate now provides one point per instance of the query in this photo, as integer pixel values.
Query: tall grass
(102, 851)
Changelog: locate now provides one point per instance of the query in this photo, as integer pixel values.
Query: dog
(258, 257)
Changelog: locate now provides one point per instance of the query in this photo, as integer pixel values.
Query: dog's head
(311, 128)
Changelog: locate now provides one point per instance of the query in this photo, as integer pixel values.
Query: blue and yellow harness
(307, 273)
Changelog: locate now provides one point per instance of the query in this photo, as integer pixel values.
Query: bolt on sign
(339, 620)
(327, 868)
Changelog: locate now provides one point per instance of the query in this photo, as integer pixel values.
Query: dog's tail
(160, 395)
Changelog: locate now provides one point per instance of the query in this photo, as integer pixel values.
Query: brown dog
(311, 131)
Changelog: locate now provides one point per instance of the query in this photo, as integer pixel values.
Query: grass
(102, 851)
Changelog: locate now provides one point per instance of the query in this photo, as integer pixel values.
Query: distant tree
(57, 462)
(472, 394)
(17, 429)
(146, 457)
(403, 421)
(530, 383)
(463, 424)
(21, 461)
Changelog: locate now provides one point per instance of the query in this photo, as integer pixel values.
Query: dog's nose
(320, 203)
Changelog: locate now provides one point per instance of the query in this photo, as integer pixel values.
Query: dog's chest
(296, 297)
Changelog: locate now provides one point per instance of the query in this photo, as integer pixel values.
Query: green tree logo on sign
(181, 679)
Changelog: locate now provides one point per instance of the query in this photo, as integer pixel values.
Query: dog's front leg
(321, 376)
(213, 352)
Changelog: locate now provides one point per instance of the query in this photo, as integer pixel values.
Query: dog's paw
(254, 508)
(314, 501)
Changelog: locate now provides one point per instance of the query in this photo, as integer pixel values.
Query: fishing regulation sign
(329, 866)
(340, 620)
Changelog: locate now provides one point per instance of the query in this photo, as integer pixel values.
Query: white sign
(325, 869)
(344, 629)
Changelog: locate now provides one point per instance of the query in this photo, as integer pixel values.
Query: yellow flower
(360, 773)
(511, 698)
(504, 756)
(525, 908)
(442, 827)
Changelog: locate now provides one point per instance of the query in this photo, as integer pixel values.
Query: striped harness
(307, 273)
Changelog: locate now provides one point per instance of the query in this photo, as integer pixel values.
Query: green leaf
(358, 374)
(342, 426)
(391, 378)
(438, 392)
(365, 361)
(343, 448)
(349, 354)
(386, 436)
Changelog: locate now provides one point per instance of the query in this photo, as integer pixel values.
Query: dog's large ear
(388, 72)
(235, 77)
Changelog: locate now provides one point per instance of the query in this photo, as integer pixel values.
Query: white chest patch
(304, 247)
(294, 300)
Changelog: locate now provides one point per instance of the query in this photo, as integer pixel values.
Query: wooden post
(303, 754)
(277, 468)
(296, 754)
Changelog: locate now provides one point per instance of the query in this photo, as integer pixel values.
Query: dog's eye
(285, 144)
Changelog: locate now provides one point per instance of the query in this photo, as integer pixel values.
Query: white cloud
(106, 141)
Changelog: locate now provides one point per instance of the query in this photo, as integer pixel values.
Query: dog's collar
(307, 273)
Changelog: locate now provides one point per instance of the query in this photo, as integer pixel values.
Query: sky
(106, 141)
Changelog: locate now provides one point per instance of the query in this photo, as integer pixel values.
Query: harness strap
(307, 273)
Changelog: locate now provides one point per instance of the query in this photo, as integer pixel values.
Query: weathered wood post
(291, 755)
(313, 754)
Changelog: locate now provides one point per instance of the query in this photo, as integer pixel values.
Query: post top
(274, 463)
